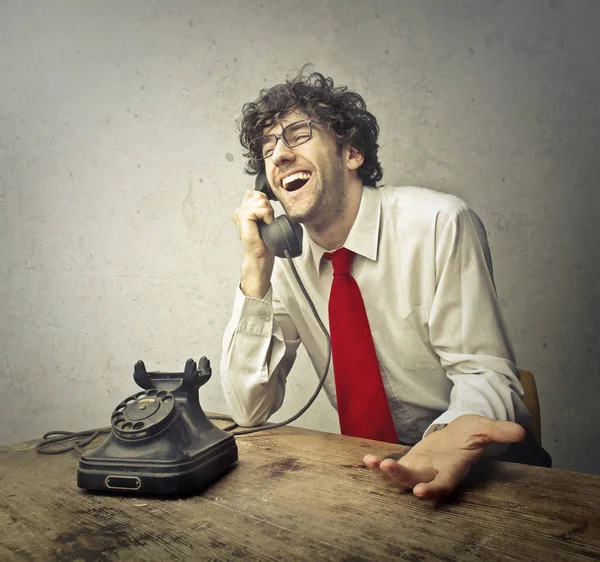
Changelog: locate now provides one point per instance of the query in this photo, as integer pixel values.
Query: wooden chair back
(531, 400)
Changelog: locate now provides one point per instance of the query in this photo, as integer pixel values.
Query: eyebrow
(280, 122)
(286, 125)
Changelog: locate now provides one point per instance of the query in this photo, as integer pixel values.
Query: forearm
(256, 277)
(484, 386)
(468, 332)
(251, 395)
(256, 359)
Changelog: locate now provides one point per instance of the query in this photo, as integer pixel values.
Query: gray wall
(120, 168)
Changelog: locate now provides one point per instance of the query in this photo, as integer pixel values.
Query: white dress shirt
(442, 344)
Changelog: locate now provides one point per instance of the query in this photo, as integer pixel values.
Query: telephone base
(98, 471)
(161, 441)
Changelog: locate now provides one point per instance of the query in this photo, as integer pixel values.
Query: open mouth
(295, 181)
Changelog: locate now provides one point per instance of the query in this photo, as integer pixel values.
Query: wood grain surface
(297, 494)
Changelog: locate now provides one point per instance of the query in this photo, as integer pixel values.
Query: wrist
(256, 277)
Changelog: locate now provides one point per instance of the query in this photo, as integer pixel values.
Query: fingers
(505, 432)
(371, 460)
(406, 477)
(373, 464)
(425, 482)
(495, 432)
(442, 485)
(477, 432)
(397, 474)
(255, 207)
(435, 466)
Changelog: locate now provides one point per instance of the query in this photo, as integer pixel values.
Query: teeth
(297, 176)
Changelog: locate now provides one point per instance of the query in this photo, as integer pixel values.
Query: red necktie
(362, 405)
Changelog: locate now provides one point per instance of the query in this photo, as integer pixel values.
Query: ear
(355, 158)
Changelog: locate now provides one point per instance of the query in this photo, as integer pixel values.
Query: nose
(282, 153)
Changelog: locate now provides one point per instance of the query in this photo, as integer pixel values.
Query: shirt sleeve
(259, 348)
(467, 329)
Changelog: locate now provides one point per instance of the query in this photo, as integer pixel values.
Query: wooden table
(298, 494)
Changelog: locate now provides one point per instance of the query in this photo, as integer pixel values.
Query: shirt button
(267, 318)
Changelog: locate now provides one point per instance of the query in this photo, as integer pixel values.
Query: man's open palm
(437, 464)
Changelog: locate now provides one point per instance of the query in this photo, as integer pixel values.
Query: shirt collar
(364, 234)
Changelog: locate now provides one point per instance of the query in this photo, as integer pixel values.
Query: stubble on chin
(324, 211)
(327, 204)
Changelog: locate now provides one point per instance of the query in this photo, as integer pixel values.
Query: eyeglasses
(292, 135)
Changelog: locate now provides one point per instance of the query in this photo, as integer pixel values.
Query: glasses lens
(263, 146)
(293, 135)
(297, 133)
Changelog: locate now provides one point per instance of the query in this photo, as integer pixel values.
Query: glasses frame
(282, 137)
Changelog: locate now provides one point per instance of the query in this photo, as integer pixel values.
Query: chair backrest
(530, 399)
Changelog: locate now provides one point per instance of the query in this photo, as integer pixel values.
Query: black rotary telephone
(282, 234)
(161, 441)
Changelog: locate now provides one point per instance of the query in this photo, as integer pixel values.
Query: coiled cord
(54, 442)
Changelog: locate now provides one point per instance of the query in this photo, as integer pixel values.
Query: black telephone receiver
(281, 234)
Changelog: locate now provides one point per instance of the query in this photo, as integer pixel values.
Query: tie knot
(341, 260)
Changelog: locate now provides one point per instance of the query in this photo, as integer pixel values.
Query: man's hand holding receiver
(258, 259)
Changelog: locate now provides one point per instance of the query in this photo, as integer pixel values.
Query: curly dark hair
(344, 112)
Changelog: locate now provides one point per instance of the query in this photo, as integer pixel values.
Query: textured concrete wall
(120, 167)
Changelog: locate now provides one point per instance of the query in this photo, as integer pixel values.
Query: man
(442, 355)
